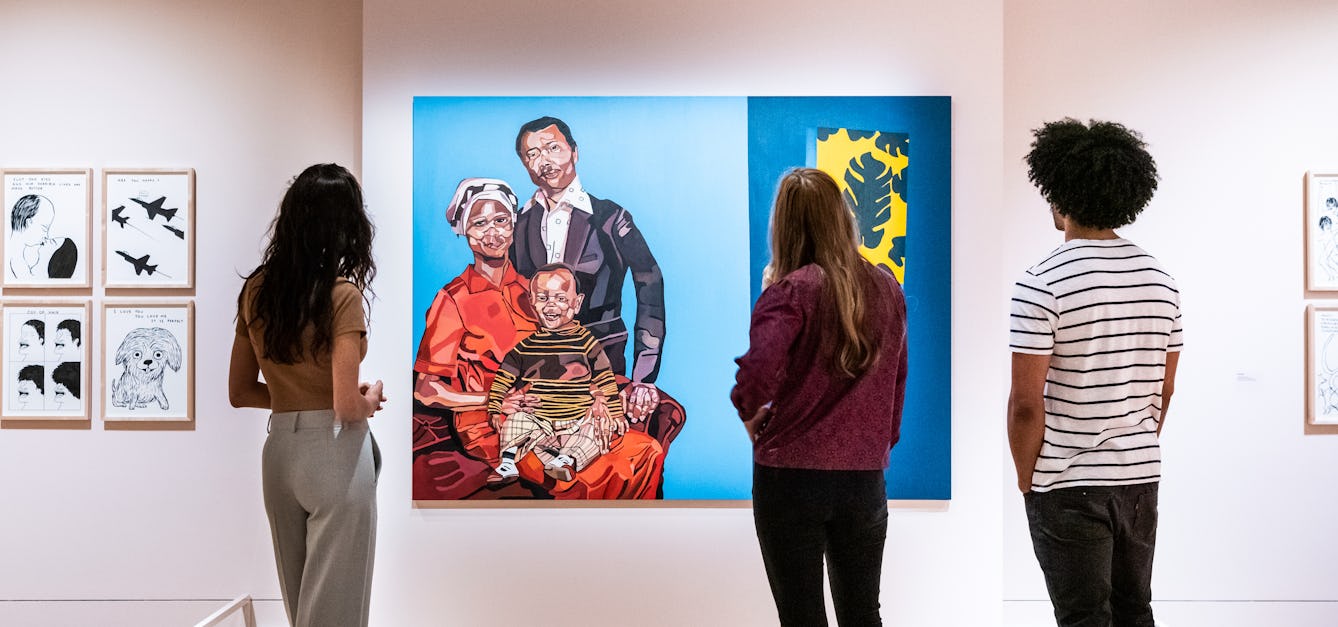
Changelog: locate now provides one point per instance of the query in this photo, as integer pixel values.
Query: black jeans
(1095, 546)
(802, 515)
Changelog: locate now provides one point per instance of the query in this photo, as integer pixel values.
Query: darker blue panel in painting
(781, 134)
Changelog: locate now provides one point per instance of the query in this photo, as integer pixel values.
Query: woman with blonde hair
(300, 321)
(820, 392)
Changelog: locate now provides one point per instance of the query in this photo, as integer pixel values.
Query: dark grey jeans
(804, 515)
(1095, 547)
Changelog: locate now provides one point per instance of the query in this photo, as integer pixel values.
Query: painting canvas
(608, 376)
(47, 226)
(148, 227)
(148, 361)
(1321, 231)
(46, 361)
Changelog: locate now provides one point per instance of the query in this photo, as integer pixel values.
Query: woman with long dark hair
(301, 322)
(820, 392)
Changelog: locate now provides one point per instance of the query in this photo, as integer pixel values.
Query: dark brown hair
(320, 235)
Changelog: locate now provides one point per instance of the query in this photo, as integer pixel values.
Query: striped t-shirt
(1107, 313)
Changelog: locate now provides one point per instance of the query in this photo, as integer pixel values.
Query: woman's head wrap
(473, 190)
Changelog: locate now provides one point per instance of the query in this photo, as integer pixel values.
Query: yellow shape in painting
(834, 155)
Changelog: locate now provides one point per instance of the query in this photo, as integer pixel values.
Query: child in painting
(34, 253)
(555, 393)
(65, 386)
(31, 386)
(32, 337)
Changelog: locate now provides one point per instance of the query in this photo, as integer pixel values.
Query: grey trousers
(320, 495)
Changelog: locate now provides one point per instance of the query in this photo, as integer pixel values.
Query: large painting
(584, 270)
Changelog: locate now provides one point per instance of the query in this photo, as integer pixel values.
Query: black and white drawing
(46, 232)
(148, 228)
(45, 359)
(147, 361)
(1322, 363)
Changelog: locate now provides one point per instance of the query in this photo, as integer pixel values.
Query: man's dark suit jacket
(602, 246)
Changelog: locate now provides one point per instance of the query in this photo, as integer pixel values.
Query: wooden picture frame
(1321, 232)
(48, 226)
(148, 228)
(1321, 364)
(148, 361)
(45, 349)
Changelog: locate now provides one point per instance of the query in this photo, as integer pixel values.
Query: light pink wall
(248, 94)
(1237, 100)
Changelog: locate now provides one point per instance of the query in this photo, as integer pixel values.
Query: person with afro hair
(1095, 336)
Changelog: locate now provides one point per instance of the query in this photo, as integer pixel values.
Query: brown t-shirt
(307, 384)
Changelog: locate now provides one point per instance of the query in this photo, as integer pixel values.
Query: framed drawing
(148, 361)
(148, 228)
(1321, 232)
(46, 359)
(47, 228)
(1321, 323)
(664, 282)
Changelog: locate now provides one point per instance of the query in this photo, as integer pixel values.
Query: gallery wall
(247, 94)
(679, 565)
(1236, 100)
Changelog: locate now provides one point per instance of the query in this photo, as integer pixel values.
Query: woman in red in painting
(473, 322)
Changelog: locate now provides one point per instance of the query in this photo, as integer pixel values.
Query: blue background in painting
(678, 165)
(781, 134)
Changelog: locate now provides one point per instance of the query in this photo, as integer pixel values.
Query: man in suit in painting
(597, 238)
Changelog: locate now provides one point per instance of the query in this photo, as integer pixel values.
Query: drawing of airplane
(141, 264)
(155, 208)
(118, 216)
(177, 232)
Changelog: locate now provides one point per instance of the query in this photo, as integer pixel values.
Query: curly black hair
(1099, 175)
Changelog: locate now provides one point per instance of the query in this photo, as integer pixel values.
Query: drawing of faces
(29, 388)
(66, 342)
(66, 386)
(32, 341)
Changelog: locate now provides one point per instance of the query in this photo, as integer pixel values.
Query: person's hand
(373, 393)
(1024, 485)
(495, 421)
(519, 399)
(640, 399)
(759, 420)
(607, 426)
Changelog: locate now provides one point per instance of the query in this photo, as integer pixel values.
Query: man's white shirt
(557, 220)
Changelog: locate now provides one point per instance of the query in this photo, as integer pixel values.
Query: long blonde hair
(811, 223)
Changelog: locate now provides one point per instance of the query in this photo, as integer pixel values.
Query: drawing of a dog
(143, 356)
